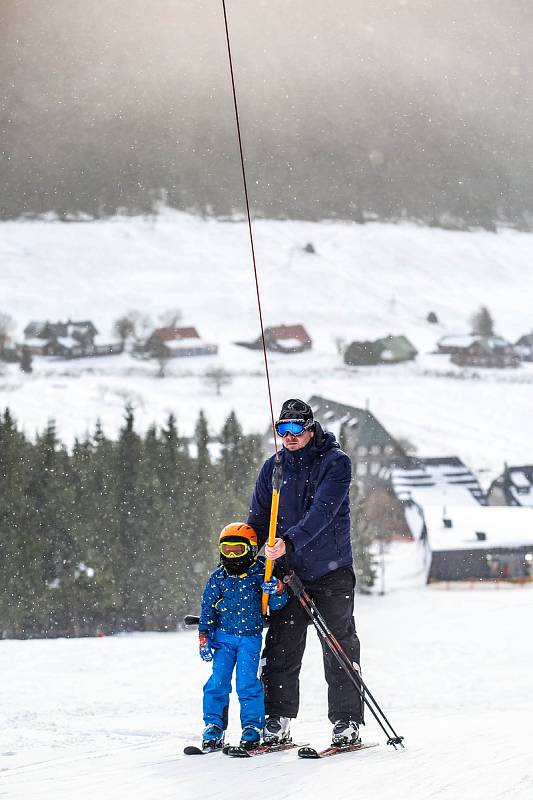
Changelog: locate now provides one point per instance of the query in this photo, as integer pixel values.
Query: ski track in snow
(452, 669)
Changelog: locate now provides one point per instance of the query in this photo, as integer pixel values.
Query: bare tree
(161, 354)
(124, 328)
(7, 324)
(141, 322)
(26, 360)
(170, 317)
(340, 344)
(217, 377)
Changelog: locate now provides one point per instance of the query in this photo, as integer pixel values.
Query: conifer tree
(51, 498)
(20, 556)
(199, 538)
(363, 534)
(173, 470)
(127, 462)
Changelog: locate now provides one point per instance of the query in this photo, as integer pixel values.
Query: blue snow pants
(243, 652)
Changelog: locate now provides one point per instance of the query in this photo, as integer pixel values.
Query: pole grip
(269, 567)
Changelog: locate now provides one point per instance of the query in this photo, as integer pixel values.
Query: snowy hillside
(109, 717)
(363, 282)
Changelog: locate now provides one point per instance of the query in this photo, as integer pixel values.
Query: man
(313, 535)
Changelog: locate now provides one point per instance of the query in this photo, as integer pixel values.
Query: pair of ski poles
(295, 584)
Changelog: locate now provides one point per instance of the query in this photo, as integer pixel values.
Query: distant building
(83, 330)
(370, 446)
(422, 482)
(71, 339)
(488, 351)
(282, 339)
(514, 487)
(387, 350)
(37, 346)
(452, 345)
(436, 480)
(478, 543)
(175, 343)
(524, 347)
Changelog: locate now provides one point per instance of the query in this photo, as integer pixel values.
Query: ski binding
(193, 750)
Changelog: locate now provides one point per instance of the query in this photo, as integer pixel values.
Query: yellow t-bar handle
(276, 486)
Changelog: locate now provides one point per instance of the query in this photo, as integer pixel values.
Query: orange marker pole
(276, 487)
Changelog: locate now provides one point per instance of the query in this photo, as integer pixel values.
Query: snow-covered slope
(363, 281)
(109, 717)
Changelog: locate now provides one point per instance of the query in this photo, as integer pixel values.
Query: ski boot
(250, 737)
(212, 738)
(345, 733)
(276, 730)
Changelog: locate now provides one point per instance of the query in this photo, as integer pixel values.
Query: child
(230, 629)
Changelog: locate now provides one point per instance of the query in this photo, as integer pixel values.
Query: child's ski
(192, 750)
(310, 752)
(260, 750)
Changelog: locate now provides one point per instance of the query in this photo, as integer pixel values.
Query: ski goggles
(292, 426)
(234, 549)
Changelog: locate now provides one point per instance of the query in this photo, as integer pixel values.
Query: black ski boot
(276, 730)
(345, 733)
(212, 738)
(250, 737)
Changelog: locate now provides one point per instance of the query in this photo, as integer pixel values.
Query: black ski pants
(333, 595)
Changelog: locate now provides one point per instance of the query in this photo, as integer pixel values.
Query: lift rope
(276, 477)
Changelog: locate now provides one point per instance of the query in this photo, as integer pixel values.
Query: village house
(514, 487)
(478, 543)
(422, 482)
(370, 446)
(173, 342)
(71, 339)
(488, 351)
(387, 350)
(455, 344)
(282, 339)
(524, 347)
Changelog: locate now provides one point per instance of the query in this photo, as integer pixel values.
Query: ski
(192, 750)
(310, 752)
(261, 750)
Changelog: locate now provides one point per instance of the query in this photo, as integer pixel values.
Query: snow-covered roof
(33, 341)
(434, 481)
(478, 527)
(68, 341)
(290, 342)
(458, 340)
(521, 485)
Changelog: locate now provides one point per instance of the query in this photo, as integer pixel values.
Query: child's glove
(272, 586)
(206, 647)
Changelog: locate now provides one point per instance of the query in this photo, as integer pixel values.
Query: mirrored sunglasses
(234, 549)
(293, 426)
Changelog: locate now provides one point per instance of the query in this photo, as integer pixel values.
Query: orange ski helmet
(237, 544)
(241, 530)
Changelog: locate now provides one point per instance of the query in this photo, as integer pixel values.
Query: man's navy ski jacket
(314, 509)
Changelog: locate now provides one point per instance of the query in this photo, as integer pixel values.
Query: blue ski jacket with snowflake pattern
(232, 603)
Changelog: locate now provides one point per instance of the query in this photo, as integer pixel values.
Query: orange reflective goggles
(234, 549)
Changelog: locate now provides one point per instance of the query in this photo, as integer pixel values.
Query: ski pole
(276, 486)
(297, 587)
